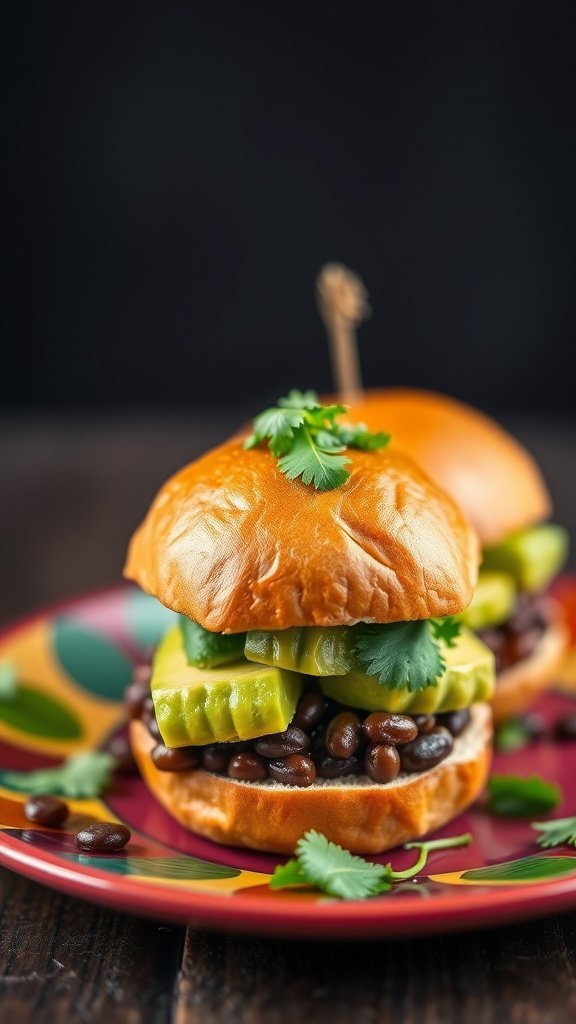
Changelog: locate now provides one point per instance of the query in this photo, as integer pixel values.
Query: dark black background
(176, 173)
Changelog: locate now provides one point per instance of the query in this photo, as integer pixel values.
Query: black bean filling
(518, 637)
(324, 740)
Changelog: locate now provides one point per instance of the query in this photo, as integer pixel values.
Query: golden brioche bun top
(493, 478)
(230, 542)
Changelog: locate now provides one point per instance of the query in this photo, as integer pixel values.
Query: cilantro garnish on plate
(514, 797)
(308, 442)
(556, 833)
(80, 776)
(337, 872)
(511, 736)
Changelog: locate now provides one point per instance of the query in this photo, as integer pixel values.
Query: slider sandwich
(316, 676)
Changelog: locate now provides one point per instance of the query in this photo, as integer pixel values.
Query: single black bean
(46, 810)
(442, 729)
(455, 721)
(309, 711)
(215, 757)
(134, 697)
(335, 767)
(426, 751)
(565, 727)
(175, 759)
(119, 747)
(425, 723)
(382, 727)
(295, 770)
(247, 767)
(382, 762)
(149, 718)
(103, 837)
(281, 744)
(343, 735)
(154, 728)
(522, 645)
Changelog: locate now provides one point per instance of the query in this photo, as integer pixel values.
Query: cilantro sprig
(511, 736)
(343, 875)
(556, 833)
(512, 796)
(405, 655)
(80, 776)
(308, 442)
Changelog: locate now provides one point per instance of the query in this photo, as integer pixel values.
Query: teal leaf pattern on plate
(178, 868)
(148, 620)
(91, 660)
(35, 713)
(527, 869)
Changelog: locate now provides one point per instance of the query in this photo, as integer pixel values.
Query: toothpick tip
(340, 291)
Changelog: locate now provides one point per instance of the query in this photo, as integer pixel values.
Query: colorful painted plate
(73, 662)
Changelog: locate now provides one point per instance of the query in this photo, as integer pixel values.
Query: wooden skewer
(343, 305)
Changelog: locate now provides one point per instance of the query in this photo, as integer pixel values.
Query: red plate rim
(238, 912)
(277, 915)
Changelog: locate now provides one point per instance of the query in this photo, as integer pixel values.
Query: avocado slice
(493, 601)
(239, 701)
(313, 650)
(532, 557)
(469, 677)
(207, 650)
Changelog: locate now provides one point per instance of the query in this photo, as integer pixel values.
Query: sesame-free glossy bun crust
(364, 817)
(493, 478)
(232, 543)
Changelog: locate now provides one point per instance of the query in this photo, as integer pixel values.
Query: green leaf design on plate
(91, 660)
(35, 713)
(526, 869)
(180, 867)
(183, 868)
(148, 620)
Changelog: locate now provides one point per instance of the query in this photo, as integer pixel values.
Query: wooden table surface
(72, 490)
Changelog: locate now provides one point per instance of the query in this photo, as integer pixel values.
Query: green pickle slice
(238, 701)
(532, 557)
(207, 650)
(493, 602)
(469, 677)
(313, 650)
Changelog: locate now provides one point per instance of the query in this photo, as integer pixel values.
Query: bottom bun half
(519, 686)
(362, 816)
